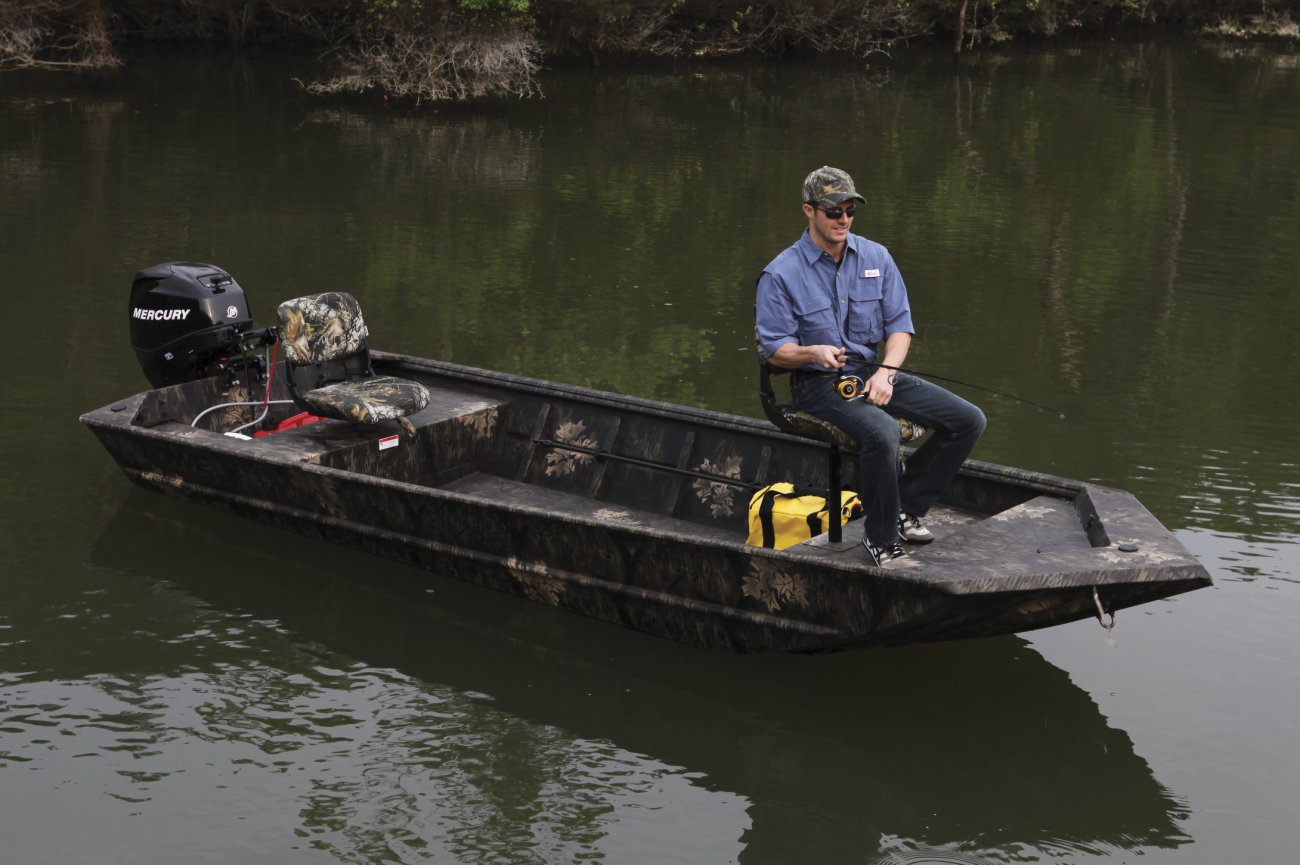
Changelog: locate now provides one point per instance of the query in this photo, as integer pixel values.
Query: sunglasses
(837, 212)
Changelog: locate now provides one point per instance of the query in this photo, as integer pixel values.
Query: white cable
(198, 416)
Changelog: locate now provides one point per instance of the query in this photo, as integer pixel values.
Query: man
(835, 301)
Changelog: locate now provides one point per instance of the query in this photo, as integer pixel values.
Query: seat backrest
(321, 327)
(325, 332)
(767, 396)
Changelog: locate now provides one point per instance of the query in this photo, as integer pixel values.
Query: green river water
(1111, 229)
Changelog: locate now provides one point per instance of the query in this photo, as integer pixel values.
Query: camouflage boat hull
(635, 512)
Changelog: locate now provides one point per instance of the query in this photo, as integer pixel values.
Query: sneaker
(883, 555)
(912, 530)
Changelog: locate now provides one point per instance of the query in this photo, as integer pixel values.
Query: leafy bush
(460, 49)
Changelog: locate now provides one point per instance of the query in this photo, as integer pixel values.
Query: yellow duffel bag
(781, 515)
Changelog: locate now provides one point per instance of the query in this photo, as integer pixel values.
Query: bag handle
(768, 503)
(765, 517)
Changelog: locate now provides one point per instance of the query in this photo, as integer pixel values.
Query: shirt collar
(812, 252)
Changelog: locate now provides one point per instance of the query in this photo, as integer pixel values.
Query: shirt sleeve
(774, 318)
(895, 308)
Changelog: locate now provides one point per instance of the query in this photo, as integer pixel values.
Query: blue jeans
(884, 485)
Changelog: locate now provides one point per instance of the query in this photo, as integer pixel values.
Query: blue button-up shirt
(805, 299)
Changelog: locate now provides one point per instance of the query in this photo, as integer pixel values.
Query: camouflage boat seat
(328, 360)
(791, 420)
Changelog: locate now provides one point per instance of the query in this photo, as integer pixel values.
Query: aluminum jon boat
(625, 509)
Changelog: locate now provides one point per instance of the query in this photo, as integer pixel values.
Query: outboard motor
(187, 319)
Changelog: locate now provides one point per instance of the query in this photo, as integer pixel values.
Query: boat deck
(1042, 526)
(508, 492)
(1043, 535)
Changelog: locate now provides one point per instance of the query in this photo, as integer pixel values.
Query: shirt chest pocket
(817, 325)
(866, 319)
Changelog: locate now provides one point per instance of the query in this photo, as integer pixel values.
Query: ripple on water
(363, 763)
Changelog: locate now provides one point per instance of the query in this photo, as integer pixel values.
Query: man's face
(825, 230)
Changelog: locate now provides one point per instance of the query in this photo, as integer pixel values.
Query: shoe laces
(885, 553)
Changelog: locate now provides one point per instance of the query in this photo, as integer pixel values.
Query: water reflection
(289, 744)
(408, 708)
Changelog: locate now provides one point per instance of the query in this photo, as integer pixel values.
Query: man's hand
(793, 356)
(828, 357)
(880, 387)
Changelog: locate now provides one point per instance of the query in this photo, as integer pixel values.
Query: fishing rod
(851, 386)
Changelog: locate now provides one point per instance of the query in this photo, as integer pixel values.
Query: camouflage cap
(829, 185)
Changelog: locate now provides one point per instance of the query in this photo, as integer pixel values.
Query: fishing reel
(850, 386)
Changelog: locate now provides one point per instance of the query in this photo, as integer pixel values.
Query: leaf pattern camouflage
(235, 415)
(810, 425)
(772, 586)
(536, 581)
(563, 462)
(720, 497)
(368, 400)
(321, 327)
(909, 431)
(325, 327)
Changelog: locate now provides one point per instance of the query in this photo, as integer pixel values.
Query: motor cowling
(186, 319)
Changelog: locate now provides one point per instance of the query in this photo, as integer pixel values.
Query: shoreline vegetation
(459, 50)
